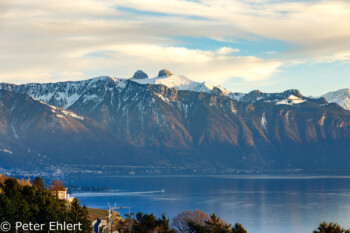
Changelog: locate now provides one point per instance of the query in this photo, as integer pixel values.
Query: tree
(86, 224)
(217, 225)
(214, 225)
(2, 179)
(56, 185)
(28, 203)
(38, 183)
(79, 214)
(75, 210)
(180, 221)
(145, 223)
(330, 228)
(12, 188)
(7, 210)
(238, 228)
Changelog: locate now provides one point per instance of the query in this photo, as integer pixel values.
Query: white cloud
(37, 76)
(60, 40)
(303, 24)
(215, 67)
(227, 50)
(122, 60)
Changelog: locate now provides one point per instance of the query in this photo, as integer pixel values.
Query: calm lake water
(263, 204)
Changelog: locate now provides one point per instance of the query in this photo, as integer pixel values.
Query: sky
(270, 45)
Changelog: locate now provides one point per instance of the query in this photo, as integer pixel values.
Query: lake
(261, 203)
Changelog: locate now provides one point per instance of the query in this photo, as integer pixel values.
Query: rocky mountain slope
(32, 133)
(175, 122)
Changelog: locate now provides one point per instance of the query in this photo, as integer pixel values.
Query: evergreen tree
(33, 203)
(38, 183)
(86, 224)
(78, 214)
(75, 210)
(145, 223)
(214, 225)
(7, 210)
(330, 228)
(238, 228)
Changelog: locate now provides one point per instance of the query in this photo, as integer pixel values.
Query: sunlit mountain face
(171, 120)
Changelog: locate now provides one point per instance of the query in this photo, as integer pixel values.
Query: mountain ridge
(205, 129)
(73, 89)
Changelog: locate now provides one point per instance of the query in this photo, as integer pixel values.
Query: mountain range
(170, 120)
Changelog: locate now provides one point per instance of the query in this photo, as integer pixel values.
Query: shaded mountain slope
(176, 127)
(34, 131)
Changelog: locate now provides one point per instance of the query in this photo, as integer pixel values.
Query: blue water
(263, 204)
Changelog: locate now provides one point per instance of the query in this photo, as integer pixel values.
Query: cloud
(42, 41)
(69, 40)
(39, 77)
(227, 50)
(122, 60)
(214, 67)
(302, 24)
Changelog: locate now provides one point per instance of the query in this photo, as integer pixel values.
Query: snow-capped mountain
(65, 94)
(341, 97)
(178, 82)
(289, 97)
(176, 121)
(62, 94)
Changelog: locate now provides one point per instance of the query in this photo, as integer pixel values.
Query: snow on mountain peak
(290, 100)
(66, 94)
(341, 97)
(178, 82)
(182, 83)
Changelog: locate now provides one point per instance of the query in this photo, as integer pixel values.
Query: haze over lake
(273, 203)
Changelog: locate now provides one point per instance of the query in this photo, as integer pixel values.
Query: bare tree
(180, 221)
(56, 185)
